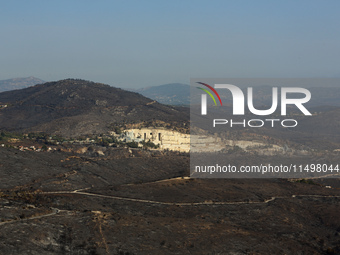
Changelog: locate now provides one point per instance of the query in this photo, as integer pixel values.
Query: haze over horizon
(145, 43)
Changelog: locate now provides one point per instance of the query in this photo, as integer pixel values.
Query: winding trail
(80, 192)
(54, 212)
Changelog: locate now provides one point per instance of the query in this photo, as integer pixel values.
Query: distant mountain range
(171, 94)
(179, 94)
(76, 107)
(19, 83)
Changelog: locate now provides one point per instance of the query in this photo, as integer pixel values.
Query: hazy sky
(145, 43)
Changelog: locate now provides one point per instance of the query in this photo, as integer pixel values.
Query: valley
(90, 169)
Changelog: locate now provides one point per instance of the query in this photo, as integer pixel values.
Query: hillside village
(151, 138)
